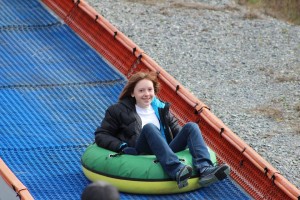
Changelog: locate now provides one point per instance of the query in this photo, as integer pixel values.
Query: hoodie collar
(157, 103)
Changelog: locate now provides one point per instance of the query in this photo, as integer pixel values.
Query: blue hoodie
(156, 103)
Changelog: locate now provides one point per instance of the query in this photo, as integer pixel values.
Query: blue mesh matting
(54, 90)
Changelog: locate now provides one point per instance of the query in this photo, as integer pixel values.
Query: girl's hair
(135, 78)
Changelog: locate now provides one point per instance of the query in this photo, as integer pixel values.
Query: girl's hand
(130, 151)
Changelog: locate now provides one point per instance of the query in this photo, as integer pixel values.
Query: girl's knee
(192, 125)
(149, 126)
(193, 128)
(151, 129)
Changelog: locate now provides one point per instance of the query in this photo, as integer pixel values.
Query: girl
(140, 123)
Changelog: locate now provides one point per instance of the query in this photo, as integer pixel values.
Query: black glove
(122, 146)
(130, 150)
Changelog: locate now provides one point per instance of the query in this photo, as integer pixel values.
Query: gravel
(243, 64)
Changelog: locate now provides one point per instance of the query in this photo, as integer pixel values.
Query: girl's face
(143, 93)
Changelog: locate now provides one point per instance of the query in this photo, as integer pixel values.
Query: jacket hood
(128, 102)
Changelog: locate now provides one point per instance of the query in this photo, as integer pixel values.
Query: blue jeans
(152, 142)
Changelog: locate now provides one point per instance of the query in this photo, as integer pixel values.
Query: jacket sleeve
(170, 122)
(173, 124)
(106, 134)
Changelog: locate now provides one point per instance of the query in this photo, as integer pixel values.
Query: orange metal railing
(12, 181)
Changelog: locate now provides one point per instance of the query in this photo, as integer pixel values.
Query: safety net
(55, 86)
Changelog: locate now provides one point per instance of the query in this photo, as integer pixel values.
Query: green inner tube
(129, 167)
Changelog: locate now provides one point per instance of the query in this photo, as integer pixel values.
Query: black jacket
(122, 124)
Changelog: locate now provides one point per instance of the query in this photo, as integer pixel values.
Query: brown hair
(135, 78)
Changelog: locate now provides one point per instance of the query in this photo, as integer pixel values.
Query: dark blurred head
(100, 191)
